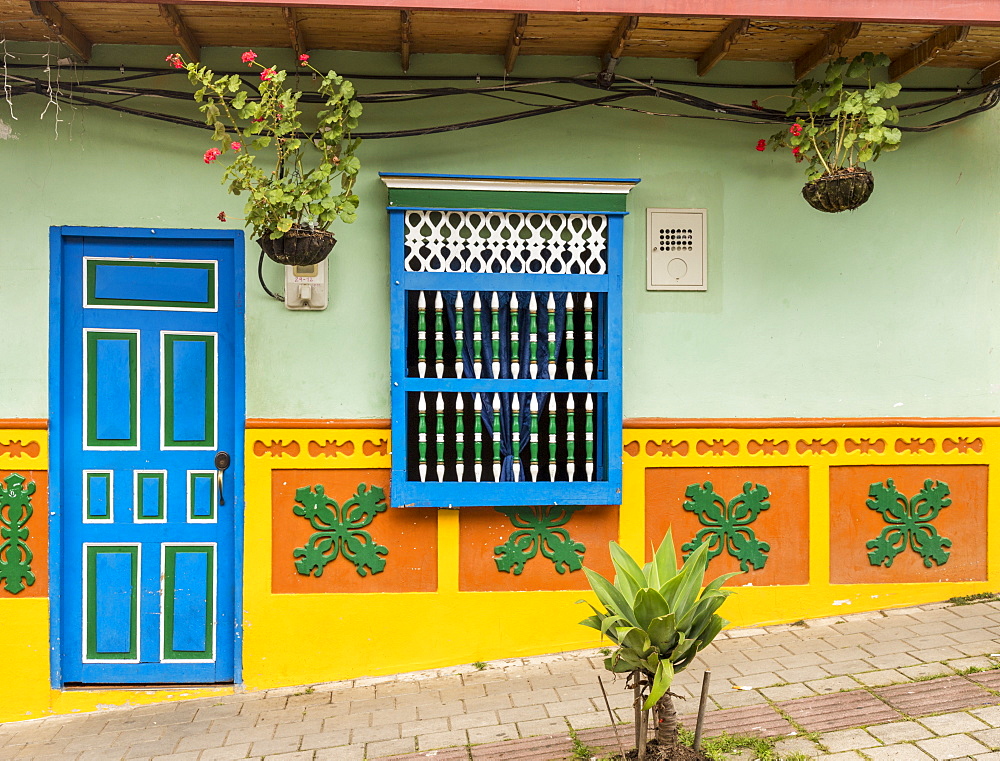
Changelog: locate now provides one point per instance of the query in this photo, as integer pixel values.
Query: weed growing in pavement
(582, 751)
(972, 599)
(479, 665)
(605, 651)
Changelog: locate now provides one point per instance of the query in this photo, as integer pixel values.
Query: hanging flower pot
(840, 190)
(300, 246)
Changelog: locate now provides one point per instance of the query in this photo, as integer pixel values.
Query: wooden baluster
(552, 437)
(460, 435)
(439, 429)
(497, 457)
(477, 436)
(439, 334)
(570, 437)
(495, 332)
(589, 437)
(421, 335)
(459, 335)
(422, 435)
(477, 335)
(588, 336)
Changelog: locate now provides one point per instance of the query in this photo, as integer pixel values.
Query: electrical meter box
(306, 286)
(676, 255)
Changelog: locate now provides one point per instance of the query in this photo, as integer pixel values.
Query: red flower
(211, 155)
(303, 59)
(249, 57)
(174, 59)
(236, 146)
(761, 145)
(795, 129)
(796, 151)
(222, 216)
(266, 74)
(756, 105)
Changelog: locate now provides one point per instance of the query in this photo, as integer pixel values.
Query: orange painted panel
(410, 535)
(853, 524)
(38, 534)
(482, 529)
(784, 526)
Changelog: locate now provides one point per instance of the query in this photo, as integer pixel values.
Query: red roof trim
(935, 12)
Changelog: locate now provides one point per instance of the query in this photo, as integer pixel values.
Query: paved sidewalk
(913, 683)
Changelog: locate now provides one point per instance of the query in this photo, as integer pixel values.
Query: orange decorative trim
(384, 423)
(819, 422)
(25, 423)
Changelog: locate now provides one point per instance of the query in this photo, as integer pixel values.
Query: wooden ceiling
(509, 33)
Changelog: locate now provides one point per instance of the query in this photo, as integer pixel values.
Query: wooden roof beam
(925, 52)
(831, 47)
(514, 41)
(616, 46)
(64, 29)
(294, 31)
(404, 39)
(185, 38)
(721, 44)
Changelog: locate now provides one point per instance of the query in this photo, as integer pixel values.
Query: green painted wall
(886, 311)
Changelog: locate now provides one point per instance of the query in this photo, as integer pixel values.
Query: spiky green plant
(660, 617)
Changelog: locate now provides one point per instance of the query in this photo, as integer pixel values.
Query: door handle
(221, 463)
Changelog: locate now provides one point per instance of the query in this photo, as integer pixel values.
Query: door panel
(148, 389)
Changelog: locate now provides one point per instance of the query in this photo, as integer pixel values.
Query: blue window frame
(506, 349)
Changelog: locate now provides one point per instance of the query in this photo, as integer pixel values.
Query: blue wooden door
(147, 388)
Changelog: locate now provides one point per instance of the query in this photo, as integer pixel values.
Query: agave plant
(660, 617)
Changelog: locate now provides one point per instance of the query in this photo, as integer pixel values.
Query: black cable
(260, 277)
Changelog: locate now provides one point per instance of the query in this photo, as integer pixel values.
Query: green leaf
(627, 567)
(610, 596)
(662, 680)
(649, 604)
(665, 559)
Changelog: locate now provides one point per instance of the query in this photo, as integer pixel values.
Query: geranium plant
(310, 182)
(837, 127)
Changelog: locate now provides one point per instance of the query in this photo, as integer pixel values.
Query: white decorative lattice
(506, 242)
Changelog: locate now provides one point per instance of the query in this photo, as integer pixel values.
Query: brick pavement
(914, 683)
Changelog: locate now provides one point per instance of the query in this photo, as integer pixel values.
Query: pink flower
(211, 155)
(761, 145)
(174, 59)
(266, 74)
(795, 129)
(249, 57)
(222, 216)
(303, 59)
(236, 146)
(796, 151)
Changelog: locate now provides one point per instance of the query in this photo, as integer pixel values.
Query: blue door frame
(146, 385)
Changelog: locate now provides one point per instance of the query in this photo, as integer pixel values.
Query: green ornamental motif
(728, 524)
(909, 523)
(15, 555)
(538, 528)
(340, 529)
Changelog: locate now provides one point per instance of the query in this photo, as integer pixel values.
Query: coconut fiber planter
(842, 190)
(299, 246)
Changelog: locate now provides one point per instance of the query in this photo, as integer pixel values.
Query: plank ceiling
(508, 34)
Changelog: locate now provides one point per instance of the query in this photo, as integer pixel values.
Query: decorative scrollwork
(718, 447)
(667, 448)
(909, 523)
(913, 446)
(539, 529)
(276, 448)
(816, 446)
(963, 445)
(767, 446)
(381, 447)
(340, 529)
(728, 523)
(864, 446)
(15, 512)
(330, 448)
(17, 448)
